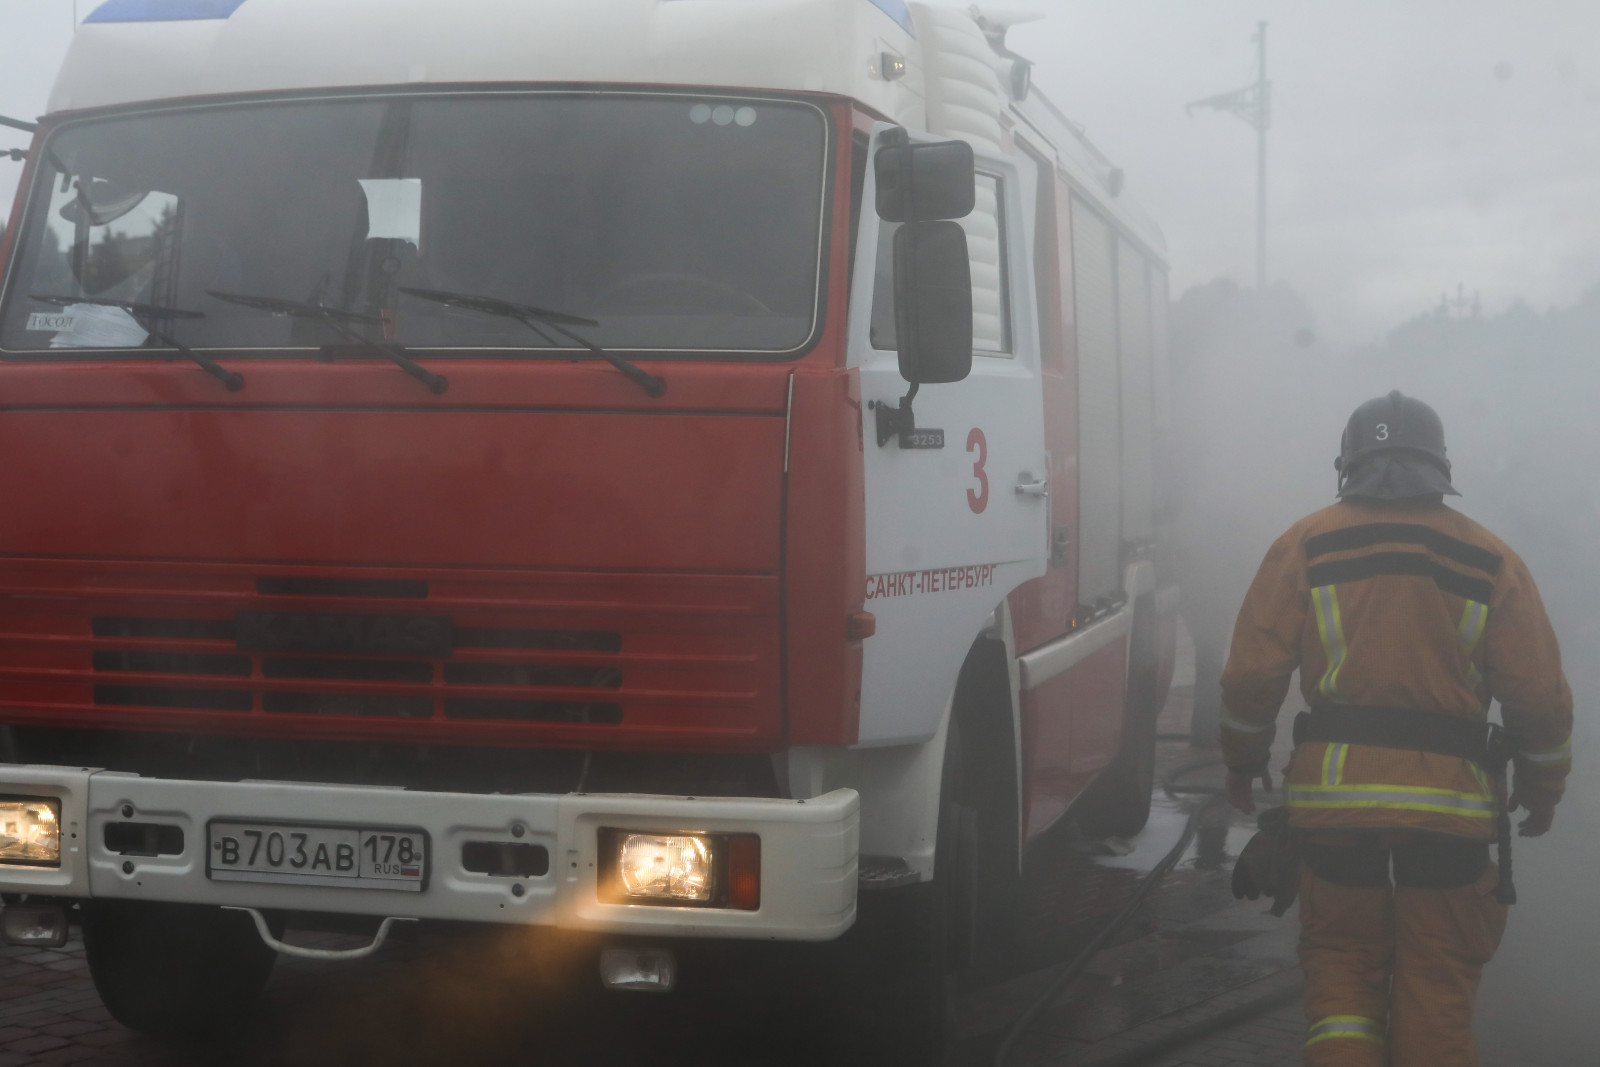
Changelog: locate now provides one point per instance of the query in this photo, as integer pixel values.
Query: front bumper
(808, 851)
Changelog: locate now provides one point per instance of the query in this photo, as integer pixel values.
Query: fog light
(665, 866)
(647, 970)
(42, 926)
(30, 831)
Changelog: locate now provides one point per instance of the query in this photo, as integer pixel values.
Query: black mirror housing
(924, 182)
(933, 302)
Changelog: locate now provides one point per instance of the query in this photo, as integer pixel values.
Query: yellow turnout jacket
(1411, 606)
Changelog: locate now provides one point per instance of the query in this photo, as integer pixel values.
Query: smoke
(1259, 406)
(1257, 414)
(1516, 395)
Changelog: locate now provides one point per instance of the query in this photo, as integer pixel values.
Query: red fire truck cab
(532, 463)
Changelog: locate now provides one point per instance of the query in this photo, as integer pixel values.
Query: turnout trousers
(1392, 969)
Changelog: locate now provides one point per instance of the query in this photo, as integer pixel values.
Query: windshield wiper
(141, 314)
(533, 318)
(338, 320)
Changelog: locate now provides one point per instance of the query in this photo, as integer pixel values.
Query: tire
(1118, 803)
(903, 959)
(175, 971)
(914, 949)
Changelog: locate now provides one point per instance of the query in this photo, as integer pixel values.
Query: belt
(1485, 744)
(1405, 728)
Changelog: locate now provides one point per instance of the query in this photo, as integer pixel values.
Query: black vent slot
(533, 710)
(566, 640)
(394, 707)
(171, 629)
(532, 674)
(157, 696)
(144, 839)
(505, 860)
(173, 663)
(354, 670)
(396, 589)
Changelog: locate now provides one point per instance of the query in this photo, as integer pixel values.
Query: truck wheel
(909, 946)
(1118, 803)
(174, 970)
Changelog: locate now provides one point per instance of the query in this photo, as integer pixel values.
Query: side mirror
(933, 302)
(923, 182)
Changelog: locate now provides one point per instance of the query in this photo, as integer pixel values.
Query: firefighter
(1404, 618)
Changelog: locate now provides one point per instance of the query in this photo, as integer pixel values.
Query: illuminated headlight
(687, 869)
(665, 866)
(30, 831)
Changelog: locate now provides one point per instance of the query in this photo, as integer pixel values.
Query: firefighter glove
(1269, 865)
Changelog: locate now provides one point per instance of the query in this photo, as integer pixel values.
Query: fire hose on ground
(1074, 968)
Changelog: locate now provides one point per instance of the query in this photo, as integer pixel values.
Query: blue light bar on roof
(897, 10)
(163, 10)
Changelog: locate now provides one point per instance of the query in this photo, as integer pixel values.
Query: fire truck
(667, 469)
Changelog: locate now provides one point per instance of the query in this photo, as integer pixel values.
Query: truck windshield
(680, 224)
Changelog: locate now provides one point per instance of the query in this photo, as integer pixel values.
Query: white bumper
(808, 851)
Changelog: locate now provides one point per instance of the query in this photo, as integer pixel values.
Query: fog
(1261, 408)
(1416, 147)
(1419, 151)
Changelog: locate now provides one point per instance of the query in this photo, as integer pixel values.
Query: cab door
(962, 517)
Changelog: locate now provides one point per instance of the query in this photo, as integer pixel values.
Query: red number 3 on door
(978, 499)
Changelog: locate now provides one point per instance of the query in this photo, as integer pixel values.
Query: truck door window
(986, 250)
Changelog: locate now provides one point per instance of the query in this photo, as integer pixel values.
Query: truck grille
(533, 659)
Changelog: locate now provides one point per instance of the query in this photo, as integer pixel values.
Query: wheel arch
(900, 785)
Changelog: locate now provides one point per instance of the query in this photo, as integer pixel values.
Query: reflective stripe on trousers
(1344, 1026)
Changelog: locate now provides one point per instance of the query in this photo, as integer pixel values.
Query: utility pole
(1462, 307)
(1253, 104)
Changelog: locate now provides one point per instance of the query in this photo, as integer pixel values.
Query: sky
(1417, 145)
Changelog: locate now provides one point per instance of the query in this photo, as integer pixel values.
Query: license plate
(347, 857)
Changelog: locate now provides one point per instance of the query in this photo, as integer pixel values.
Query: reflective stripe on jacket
(1403, 606)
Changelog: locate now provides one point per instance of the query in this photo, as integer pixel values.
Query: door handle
(1026, 486)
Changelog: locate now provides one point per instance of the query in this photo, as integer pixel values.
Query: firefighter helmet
(1403, 429)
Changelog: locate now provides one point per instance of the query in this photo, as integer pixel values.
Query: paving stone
(31, 1017)
(37, 1043)
(113, 1034)
(71, 1028)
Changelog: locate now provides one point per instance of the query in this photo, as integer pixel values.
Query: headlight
(684, 869)
(30, 831)
(665, 867)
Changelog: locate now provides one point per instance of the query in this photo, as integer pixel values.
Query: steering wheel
(673, 284)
